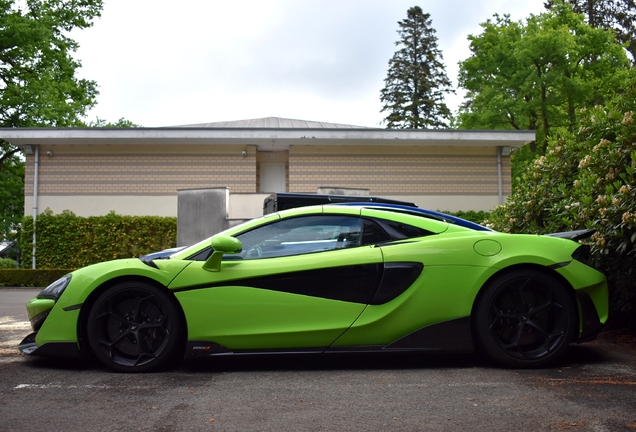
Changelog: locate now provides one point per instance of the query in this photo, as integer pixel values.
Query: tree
(121, 123)
(38, 86)
(587, 179)
(539, 74)
(416, 81)
(618, 15)
(38, 83)
(11, 196)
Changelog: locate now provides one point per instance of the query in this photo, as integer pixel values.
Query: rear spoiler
(575, 235)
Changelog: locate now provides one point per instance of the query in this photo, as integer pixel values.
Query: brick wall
(140, 170)
(160, 170)
(399, 170)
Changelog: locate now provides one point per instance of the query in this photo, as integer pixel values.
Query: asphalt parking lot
(592, 389)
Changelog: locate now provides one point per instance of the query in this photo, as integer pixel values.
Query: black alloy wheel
(135, 327)
(524, 319)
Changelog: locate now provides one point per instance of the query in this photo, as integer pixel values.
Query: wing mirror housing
(221, 244)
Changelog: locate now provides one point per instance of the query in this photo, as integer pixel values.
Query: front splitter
(28, 346)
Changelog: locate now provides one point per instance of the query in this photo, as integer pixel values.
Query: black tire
(524, 319)
(135, 327)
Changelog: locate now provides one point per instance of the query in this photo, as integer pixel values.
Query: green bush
(473, 216)
(6, 263)
(69, 241)
(587, 180)
(30, 278)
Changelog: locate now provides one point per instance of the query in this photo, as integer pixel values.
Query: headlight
(55, 290)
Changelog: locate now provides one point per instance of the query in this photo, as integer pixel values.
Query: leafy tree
(587, 179)
(537, 75)
(121, 123)
(38, 83)
(618, 15)
(38, 86)
(11, 196)
(416, 81)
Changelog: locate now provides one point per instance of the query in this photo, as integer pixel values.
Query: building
(139, 171)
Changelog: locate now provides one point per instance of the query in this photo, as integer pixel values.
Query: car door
(298, 283)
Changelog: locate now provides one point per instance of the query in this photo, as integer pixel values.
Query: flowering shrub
(587, 180)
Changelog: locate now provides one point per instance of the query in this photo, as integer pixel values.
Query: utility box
(201, 213)
(286, 200)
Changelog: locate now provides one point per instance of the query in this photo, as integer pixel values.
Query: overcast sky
(166, 63)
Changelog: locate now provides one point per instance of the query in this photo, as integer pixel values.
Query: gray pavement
(13, 319)
(592, 389)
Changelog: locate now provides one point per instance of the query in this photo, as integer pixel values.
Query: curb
(21, 288)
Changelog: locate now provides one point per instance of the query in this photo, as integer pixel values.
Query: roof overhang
(265, 138)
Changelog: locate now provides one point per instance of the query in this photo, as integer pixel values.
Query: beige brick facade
(144, 179)
(140, 170)
(399, 170)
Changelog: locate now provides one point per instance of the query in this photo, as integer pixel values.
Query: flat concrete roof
(267, 134)
(276, 123)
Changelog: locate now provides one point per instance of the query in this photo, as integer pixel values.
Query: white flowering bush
(587, 180)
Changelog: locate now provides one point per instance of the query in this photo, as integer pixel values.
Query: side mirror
(221, 244)
(226, 244)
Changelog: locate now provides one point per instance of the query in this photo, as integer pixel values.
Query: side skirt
(452, 336)
(196, 349)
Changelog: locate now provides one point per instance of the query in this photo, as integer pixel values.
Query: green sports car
(332, 278)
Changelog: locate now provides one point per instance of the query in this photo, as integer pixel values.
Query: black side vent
(396, 278)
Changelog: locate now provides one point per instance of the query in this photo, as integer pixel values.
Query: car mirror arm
(221, 244)
(213, 264)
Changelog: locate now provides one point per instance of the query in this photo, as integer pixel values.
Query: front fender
(85, 280)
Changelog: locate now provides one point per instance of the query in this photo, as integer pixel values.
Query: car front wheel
(135, 327)
(524, 319)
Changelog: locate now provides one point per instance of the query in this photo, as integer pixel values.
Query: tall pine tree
(416, 82)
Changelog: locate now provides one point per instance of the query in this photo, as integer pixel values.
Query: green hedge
(6, 263)
(470, 215)
(30, 278)
(69, 241)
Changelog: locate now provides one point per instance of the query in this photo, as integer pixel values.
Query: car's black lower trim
(28, 345)
(449, 336)
(204, 348)
(591, 323)
(452, 336)
(354, 349)
(196, 349)
(59, 349)
(52, 349)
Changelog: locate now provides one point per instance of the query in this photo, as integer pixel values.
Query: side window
(301, 235)
(382, 230)
(400, 231)
(372, 233)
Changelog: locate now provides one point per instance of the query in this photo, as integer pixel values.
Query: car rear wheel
(135, 327)
(524, 319)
